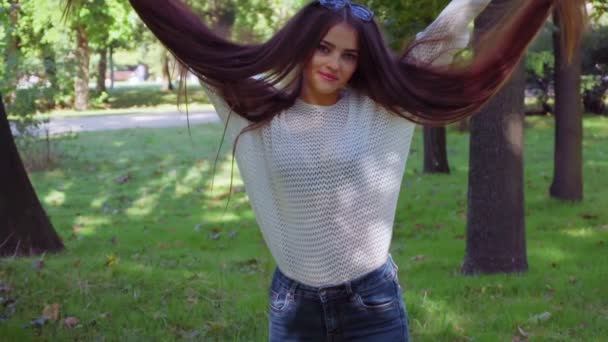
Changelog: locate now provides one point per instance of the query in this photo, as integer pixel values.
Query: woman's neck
(320, 99)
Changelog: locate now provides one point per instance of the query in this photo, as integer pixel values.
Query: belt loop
(349, 289)
(293, 287)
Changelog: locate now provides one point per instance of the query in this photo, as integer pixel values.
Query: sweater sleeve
(448, 34)
(236, 123)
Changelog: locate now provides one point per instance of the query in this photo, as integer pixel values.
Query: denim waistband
(366, 282)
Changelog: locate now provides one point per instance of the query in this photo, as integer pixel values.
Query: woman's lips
(328, 77)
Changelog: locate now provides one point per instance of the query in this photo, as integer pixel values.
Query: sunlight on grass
(580, 233)
(145, 204)
(549, 253)
(99, 201)
(88, 225)
(55, 198)
(436, 318)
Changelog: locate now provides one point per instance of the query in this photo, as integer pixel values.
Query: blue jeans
(369, 308)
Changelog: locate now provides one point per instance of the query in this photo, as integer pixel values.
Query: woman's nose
(334, 63)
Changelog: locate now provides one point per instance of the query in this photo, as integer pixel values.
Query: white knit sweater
(324, 181)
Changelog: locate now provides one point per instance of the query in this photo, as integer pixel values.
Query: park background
(132, 243)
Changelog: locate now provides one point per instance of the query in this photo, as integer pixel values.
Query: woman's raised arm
(448, 34)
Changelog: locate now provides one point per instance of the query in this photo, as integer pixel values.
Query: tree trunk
(50, 71)
(496, 222)
(11, 64)
(464, 125)
(111, 67)
(568, 155)
(167, 85)
(435, 155)
(102, 69)
(81, 83)
(24, 227)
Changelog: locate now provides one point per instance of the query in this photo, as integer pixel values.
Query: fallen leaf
(588, 216)
(540, 318)
(70, 322)
(419, 257)
(51, 312)
(522, 332)
(111, 260)
(124, 179)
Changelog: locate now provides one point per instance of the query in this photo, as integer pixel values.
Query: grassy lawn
(150, 257)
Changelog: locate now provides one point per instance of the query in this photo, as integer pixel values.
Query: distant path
(126, 121)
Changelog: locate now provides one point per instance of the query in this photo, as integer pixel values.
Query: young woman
(322, 116)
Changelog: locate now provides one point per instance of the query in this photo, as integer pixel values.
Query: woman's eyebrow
(334, 46)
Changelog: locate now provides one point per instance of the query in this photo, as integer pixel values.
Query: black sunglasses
(358, 11)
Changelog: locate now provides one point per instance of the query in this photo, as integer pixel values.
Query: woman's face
(332, 66)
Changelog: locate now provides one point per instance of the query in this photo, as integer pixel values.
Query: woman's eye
(350, 57)
(323, 49)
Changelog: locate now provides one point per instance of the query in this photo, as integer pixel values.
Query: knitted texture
(324, 181)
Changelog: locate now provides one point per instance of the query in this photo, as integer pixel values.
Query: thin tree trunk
(568, 155)
(435, 155)
(81, 83)
(111, 67)
(167, 85)
(25, 228)
(496, 222)
(102, 69)
(50, 71)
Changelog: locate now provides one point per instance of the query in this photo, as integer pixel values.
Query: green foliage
(403, 19)
(540, 63)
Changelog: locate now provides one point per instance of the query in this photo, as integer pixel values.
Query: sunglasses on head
(358, 11)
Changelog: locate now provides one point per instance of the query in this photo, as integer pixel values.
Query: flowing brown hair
(416, 90)
(419, 91)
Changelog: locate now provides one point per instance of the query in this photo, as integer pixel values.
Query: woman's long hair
(257, 80)
(419, 91)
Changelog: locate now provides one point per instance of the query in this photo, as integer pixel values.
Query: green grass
(153, 259)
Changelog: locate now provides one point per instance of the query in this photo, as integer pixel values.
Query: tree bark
(111, 67)
(102, 69)
(496, 222)
(81, 83)
(464, 125)
(568, 155)
(25, 229)
(435, 155)
(167, 84)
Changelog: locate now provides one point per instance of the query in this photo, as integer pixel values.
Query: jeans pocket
(280, 299)
(381, 298)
